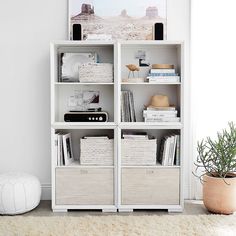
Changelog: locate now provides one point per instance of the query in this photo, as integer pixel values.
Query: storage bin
(150, 186)
(84, 186)
(138, 152)
(96, 73)
(97, 151)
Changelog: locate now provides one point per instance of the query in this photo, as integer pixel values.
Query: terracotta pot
(219, 197)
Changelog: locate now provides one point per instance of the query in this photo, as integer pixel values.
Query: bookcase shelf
(154, 166)
(118, 187)
(146, 83)
(79, 83)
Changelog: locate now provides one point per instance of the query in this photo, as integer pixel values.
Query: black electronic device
(77, 32)
(85, 116)
(158, 33)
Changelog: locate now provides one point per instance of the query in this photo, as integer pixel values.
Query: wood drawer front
(149, 186)
(84, 186)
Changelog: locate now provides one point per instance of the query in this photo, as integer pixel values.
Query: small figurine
(132, 68)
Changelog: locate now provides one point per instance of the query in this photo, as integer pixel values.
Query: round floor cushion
(19, 193)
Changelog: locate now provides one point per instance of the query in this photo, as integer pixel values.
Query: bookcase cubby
(118, 186)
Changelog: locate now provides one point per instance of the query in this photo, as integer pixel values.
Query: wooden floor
(191, 208)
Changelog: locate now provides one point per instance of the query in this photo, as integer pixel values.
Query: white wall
(213, 63)
(24, 89)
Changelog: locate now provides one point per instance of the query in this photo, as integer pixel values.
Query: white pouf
(19, 193)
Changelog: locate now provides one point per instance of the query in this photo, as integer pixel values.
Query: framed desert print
(113, 20)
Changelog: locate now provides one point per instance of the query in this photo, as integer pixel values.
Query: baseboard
(46, 192)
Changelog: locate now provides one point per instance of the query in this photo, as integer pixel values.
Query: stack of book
(169, 154)
(163, 76)
(137, 148)
(127, 107)
(163, 114)
(64, 151)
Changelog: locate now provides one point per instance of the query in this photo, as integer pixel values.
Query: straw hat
(159, 101)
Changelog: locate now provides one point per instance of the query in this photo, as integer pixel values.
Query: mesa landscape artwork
(127, 20)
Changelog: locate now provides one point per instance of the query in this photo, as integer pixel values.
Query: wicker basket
(96, 151)
(96, 73)
(138, 152)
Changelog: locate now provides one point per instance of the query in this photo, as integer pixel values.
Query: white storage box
(138, 152)
(97, 151)
(96, 73)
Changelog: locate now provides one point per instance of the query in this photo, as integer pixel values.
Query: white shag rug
(217, 225)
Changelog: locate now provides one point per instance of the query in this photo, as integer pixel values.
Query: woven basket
(96, 73)
(138, 152)
(96, 151)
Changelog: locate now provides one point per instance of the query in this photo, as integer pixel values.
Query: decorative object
(83, 100)
(67, 148)
(96, 73)
(19, 193)
(132, 68)
(218, 159)
(133, 20)
(133, 80)
(96, 151)
(112, 224)
(70, 65)
(162, 66)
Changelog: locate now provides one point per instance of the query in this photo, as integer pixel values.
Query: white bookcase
(117, 187)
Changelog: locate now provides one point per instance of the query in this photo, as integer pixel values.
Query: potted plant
(218, 160)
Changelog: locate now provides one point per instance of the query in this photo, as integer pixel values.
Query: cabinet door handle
(149, 172)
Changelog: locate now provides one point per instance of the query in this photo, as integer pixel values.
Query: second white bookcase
(117, 187)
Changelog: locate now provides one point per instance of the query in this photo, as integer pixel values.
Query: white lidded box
(138, 152)
(97, 151)
(96, 73)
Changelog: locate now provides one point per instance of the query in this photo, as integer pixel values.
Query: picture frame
(122, 20)
(67, 149)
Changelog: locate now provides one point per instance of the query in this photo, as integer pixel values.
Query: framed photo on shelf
(112, 20)
(67, 148)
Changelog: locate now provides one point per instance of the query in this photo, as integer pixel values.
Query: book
(177, 152)
(150, 108)
(163, 119)
(162, 71)
(168, 150)
(122, 111)
(162, 74)
(152, 114)
(96, 137)
(127, 107)
(132, 104)
(56, 149)
(135, 135)
(172, 150)
(161, 112)
(164, 79)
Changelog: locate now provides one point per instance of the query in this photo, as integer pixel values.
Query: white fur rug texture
(217, 225)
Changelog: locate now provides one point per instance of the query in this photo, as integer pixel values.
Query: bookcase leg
(175, 210)
(109, 210)
(126, 210)
(60, 210)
